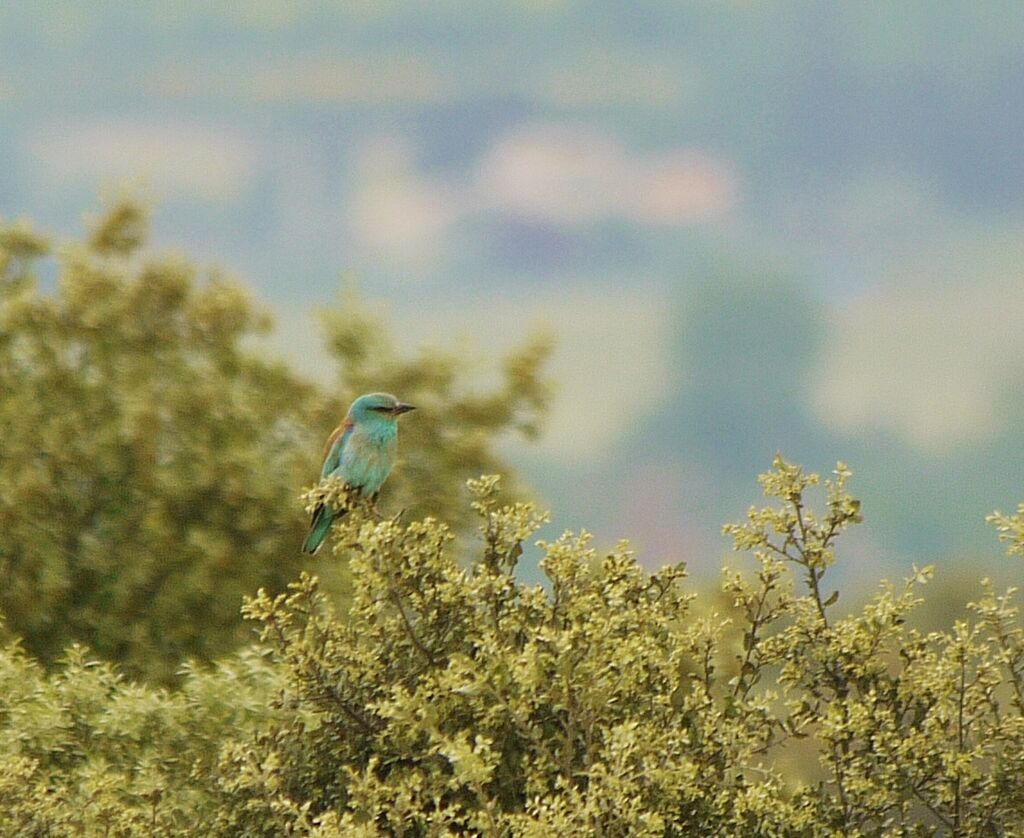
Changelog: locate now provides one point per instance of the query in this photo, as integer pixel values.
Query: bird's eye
(381, 408)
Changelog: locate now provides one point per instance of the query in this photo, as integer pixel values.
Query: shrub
(454, 699)
(84, 752)
(457, 699)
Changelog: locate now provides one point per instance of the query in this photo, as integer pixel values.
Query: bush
(454, 699)
(458, 700)
(85, 752)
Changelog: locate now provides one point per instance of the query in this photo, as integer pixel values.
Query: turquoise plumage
(360, 452)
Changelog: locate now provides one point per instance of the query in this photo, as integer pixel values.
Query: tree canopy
(152, 456)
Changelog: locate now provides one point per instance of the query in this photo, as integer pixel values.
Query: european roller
(361, 453)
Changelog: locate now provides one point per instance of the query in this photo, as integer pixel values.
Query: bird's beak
(401, 408)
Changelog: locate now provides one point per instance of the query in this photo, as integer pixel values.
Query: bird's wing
(335, 445)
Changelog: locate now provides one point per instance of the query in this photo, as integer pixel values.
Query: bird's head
(377, 407)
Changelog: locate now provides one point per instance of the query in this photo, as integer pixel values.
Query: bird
(360, 452)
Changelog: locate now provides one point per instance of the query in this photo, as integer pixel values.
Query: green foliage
(151, 458)
(459, 700)
(145, 453)
(453, 699)
(1011, 529)
(83, 752)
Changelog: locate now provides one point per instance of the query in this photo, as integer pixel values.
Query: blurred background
(750, 226)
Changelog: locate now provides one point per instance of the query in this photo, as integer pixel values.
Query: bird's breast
(367, 461)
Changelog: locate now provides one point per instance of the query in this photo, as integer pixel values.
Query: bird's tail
(318, 529)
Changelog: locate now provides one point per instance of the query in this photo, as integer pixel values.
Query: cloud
(930, 362)
(682, 187)
(554, 172)
(397, 214)
(209, 162)
(573, 175)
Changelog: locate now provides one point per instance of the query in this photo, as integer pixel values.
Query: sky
(751, 226)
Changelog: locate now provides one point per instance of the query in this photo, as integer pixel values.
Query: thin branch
(397, 600)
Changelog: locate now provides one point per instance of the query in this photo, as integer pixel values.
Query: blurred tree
(151, 459)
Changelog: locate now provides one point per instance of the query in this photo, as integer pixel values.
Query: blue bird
(361, 453)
